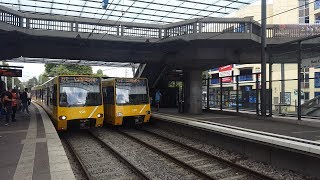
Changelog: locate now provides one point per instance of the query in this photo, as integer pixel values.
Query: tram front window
(131, 91)
(75, 92)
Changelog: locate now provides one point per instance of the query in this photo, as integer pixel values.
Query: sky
(31, 70)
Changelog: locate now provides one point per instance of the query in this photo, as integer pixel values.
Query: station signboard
(11, 72)
(310, 62)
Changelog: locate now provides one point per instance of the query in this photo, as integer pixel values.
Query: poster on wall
(225, 73)
(317, 79)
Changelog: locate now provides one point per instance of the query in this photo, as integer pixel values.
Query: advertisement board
(317, 79)
(226, 79)
(225, 71)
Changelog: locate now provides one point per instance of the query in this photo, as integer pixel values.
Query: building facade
(284, 76)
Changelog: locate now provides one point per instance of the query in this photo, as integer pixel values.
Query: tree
(99, 73)
(62, 69)
(32, 82)
(17, 83)
(43, 78)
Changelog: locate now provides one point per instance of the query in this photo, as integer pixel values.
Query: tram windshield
(131, 91)
(80, 91)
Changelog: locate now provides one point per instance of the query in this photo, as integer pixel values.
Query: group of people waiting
(13, 101)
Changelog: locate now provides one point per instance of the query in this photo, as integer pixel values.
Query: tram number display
(80, 79)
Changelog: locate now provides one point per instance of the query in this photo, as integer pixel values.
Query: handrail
(117, 28)
(154, 31)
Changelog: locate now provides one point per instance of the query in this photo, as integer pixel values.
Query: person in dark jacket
(24, 100)
(7, 102)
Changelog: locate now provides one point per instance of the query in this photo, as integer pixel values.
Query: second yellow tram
(126, 100)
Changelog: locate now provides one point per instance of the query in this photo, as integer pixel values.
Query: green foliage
(99, 73)
(59, 69)
(43, 78)
(32, 82)
(17, 83)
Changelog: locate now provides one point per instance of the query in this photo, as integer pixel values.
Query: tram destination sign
(80, 79)
(310, 62)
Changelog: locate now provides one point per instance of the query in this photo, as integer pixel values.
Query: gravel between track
(153, 164)
(231, 156)
(99, 162)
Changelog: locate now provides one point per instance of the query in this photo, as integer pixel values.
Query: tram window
(104, 93)
(48, 96)
(109, 95)
(54, 95)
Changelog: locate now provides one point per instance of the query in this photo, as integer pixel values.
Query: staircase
(311, 107)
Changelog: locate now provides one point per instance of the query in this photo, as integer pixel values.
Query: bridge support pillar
(193, 91)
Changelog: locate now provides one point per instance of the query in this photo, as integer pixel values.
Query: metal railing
(292, 30)
(115, 28)
(139, 30)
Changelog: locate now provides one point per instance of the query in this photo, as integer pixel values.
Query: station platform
(30, 148)
(284, 133)
(278, 125)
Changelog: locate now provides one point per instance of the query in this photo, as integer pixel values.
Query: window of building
(304, 11)
(305, 96)
(316, 4)
(246, 75)
(305, 82)
(214, 78)
(317, 18)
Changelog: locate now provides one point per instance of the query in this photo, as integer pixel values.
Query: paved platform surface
(31, 149)
(270, 126)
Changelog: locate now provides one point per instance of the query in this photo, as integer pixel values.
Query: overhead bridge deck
(54, 36)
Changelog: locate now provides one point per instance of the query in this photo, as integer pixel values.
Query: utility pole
(263, 58)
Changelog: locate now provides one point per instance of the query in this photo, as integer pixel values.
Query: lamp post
(263, 58)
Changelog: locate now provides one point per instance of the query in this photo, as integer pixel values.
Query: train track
(99, 160)
(203, 164)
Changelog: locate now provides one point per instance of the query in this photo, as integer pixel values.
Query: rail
(190, 151)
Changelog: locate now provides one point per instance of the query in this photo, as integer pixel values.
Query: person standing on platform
(14, 105)
(157, 99)
(7, 102)
(29, 97)
(24, 100)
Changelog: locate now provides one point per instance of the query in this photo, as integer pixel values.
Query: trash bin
(181, 107)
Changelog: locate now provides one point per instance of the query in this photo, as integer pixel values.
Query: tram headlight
(62, 117)
(119, 114)
(100, 115)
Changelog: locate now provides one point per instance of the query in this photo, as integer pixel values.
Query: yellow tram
(126, 100)
(72, 101)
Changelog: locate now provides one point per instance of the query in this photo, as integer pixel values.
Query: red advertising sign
(226, 79)
(225, 72)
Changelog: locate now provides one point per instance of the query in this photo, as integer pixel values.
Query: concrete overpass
(192, 45)
(196, 42)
